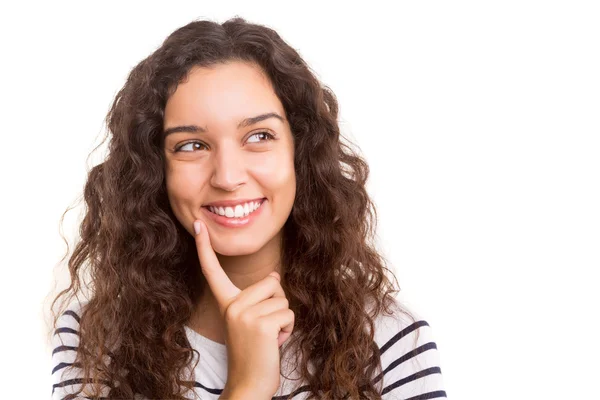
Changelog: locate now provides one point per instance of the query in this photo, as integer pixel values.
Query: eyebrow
(244, 123)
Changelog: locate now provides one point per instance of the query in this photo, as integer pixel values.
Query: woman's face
(224, 159)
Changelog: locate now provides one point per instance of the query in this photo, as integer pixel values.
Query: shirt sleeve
(410, 363)
(66, 377)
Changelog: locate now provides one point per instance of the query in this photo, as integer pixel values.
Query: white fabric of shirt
(409, 371)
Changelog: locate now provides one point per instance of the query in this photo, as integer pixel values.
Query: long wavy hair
(143, 267)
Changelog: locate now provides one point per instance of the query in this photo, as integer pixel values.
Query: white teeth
(237, 212)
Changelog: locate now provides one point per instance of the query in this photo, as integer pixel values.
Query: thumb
(275, 274)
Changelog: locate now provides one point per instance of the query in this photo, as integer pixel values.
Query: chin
(233, 249)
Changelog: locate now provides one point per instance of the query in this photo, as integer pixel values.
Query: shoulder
(410, 359)
(66, 374)
(66, 332)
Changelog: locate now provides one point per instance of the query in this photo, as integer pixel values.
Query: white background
(480, 122)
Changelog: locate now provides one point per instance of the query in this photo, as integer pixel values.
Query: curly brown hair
(143, 265)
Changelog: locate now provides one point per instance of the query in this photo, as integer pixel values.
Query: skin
(230, 163)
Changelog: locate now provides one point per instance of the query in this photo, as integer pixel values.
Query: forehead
(224, 94)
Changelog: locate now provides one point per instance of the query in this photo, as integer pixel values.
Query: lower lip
(235, 222)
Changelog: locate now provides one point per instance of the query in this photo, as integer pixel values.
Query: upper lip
(231, 203)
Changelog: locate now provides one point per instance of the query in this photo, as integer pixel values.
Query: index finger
(221, 286)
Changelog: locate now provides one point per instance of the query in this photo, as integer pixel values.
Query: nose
(229, 170)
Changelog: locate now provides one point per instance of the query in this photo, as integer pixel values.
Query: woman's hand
(257, 321)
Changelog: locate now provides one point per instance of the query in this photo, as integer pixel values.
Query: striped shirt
(409, 372)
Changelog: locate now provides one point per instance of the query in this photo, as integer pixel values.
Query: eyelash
(270, 136)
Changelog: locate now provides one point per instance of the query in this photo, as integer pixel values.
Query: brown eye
(178, 148)
(265, 134)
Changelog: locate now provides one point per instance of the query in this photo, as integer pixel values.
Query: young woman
(227, 241)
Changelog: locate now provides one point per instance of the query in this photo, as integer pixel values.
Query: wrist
(233, 394)
(238, 393)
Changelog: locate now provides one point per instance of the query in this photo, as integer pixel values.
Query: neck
(243, 271)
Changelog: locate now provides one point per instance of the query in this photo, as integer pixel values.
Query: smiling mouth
(239, 211)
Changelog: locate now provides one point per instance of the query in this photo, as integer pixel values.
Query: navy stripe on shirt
(383, 349)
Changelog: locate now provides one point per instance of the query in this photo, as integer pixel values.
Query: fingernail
(197, 226)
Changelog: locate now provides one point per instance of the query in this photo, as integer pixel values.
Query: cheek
(276, 173)
(183, 183)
